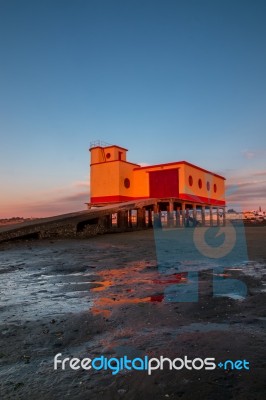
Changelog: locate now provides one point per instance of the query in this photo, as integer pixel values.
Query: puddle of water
(232, 296)
(250, 268)
(40, 281)
(29, 295)
(136, 283)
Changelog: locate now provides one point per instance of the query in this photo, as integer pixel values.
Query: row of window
(208, 185)
(190, 181)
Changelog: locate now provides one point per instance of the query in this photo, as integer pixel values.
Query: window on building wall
(215, 188)
(108, 155)
(127, 183)
(208, 186)
(190, 180)
(200, 183)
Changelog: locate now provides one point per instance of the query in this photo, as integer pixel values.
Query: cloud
(248, 194)
(259, 173)
(80, 197)
(249, 191)
(250, 185)
(82, 184)
(60, 200)
(250, 154)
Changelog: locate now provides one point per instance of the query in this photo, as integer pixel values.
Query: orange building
(114, 179)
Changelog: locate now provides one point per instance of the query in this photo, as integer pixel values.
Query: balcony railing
(99, 143)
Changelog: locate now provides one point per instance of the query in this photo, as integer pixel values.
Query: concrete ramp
(81, 224)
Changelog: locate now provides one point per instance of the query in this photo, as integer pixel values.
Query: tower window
(127, 183)
(190, 180)
(215, 188)
(208, 186)
(108, 155)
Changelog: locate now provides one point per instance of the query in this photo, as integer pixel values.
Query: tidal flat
(106, 296)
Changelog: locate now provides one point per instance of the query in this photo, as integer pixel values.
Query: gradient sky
(169, 80)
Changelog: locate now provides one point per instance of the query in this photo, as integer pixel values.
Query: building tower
(111, 175)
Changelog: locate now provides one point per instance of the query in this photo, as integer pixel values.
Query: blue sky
(169, 80)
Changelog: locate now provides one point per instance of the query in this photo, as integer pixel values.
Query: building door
(164, 183)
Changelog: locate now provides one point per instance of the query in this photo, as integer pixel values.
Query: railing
(99, 143)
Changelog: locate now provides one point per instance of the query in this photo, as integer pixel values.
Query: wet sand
(105, 296)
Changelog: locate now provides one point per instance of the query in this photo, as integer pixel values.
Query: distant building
(114, 179)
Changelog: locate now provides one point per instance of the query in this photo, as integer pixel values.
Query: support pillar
(125, 217)
(183, 214)
(122, 219)
(194, 214)
(211, 216)
(108, 221)
(130, 218)
(156, 216)
(170, 215)
(178, 216)
(141, 218)
(203, 215)
(218, 217)
(171, 206)
(224, 218)
(149, 218)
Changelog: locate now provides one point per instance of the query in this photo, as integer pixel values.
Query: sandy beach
(105, 296)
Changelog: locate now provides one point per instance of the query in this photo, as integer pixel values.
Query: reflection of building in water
(181, 184)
